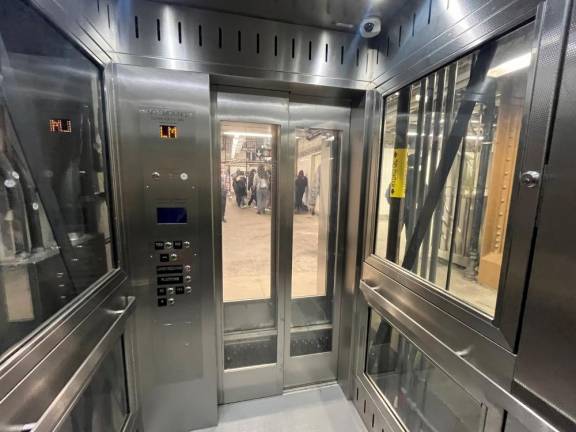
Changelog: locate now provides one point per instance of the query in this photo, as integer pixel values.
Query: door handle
(530, 178)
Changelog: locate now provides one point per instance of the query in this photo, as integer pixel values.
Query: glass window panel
(424, 397)
(247, 180)
(316, 188)
(55, 237)
(447, 168)
(103, 405)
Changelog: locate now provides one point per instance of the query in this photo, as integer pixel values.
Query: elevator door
(278, 199)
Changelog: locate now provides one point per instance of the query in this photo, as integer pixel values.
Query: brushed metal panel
(546, 366)
(327, 14)
(150, 29)
(256, 381)
(175, 345)
(91, 23)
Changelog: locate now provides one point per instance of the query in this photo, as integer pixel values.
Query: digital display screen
(60, 125)
(171, 215)
(168, 131)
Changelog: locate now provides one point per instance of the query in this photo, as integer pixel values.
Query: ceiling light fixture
(248, 134)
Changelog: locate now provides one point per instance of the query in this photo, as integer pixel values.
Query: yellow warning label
(399, 171)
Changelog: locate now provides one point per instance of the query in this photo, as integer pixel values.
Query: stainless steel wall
(487, 350)
(423, 36)
(546, 372)
(229, 44)
(170, 262)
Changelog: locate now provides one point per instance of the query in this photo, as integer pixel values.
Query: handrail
(70, 393)
(450, 360)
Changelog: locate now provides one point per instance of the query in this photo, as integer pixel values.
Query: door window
(316, 186)
(247, 192)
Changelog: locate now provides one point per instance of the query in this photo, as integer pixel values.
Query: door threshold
(306, 387)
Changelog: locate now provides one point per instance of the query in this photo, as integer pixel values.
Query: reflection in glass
(247, 174)
(247, 185)
(103, 405)
(313, 242)
(422, 395)
(55, 238)
(447, 169)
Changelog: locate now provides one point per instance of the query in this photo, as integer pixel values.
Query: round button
(187, 268)
(170, 291)
(186, 244)
(187, 278)
(171, 301)
(183, 176)
(188, 289)
(168, 245)
(173, 257)
(156, 175)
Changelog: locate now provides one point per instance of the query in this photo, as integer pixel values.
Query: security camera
(370, 27)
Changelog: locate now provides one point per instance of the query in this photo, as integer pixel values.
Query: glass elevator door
(278, 194)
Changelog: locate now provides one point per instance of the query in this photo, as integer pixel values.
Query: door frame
(274, 107)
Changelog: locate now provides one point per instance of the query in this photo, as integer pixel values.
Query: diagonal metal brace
(475, 87)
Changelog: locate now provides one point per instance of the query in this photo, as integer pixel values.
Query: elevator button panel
(170, 278)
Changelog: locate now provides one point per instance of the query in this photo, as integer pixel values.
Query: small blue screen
(171, 215)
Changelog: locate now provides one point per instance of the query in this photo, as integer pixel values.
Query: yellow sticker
(399, 171)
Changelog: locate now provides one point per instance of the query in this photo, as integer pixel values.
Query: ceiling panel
(342, 15)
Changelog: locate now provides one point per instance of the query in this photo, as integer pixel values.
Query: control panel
(173, 270)
(165, 160)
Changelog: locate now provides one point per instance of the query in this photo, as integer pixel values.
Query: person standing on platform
(262, 184)
(300, 185)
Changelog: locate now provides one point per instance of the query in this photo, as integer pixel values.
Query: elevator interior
(207, 203)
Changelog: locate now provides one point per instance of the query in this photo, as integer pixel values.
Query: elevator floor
(321, 409)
